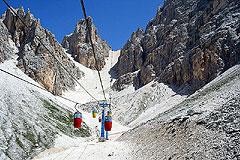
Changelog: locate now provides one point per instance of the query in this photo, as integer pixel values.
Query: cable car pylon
(102, 138)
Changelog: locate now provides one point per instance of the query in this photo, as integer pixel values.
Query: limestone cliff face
(131, 56)
(187, 44)
(78, 44)
(34, 59)
(5, 49)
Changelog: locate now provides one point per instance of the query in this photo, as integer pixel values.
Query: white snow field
(91, 81)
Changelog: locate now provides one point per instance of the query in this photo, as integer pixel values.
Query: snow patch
(90, 81)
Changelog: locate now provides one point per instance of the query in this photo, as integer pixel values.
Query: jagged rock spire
(78, 44)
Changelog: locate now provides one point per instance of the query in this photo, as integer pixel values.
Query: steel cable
(93, 48)
(34, 85)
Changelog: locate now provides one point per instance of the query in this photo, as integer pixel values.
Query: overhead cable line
(93, 48)
(35, 85)
(38, 38)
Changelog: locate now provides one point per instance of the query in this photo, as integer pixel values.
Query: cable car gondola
(108, 123)
(94, 113)
(77, 119)
(100, 119)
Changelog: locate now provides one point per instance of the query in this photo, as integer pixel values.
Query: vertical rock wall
(187, 44)
(5, 49)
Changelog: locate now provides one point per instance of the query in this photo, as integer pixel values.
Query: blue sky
(114, 19)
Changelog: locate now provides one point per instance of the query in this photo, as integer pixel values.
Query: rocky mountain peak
(81, 29)
(131, 55)
(20, 11)
(159, 10)
(78, 44)
(139, 32)
(136, 36)
(33, 58)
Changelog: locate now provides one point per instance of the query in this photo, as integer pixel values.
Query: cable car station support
(102, 138)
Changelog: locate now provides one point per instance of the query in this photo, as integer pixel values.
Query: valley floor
(67, 148)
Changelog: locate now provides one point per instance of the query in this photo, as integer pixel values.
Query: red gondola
(108, 123)
(100, 119)
(77, 119)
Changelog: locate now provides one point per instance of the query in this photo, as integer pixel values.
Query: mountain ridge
(187, 44)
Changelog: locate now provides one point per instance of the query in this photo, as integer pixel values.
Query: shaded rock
(131, 56)
(5, 49)
(146, 74)
(126, 80)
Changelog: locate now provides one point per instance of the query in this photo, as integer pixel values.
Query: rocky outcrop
(34, 59)
(131, 56)
(126, 80)
(78, 44)
(187, 44)
(146, 74)
(5, 49)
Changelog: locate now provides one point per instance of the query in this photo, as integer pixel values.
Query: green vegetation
(49, 106)
(29, 136)
(19, 143)
(64, 121)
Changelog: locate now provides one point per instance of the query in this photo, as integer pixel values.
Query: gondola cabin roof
(77, 115)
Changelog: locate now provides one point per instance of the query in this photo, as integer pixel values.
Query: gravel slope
(206, 125)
